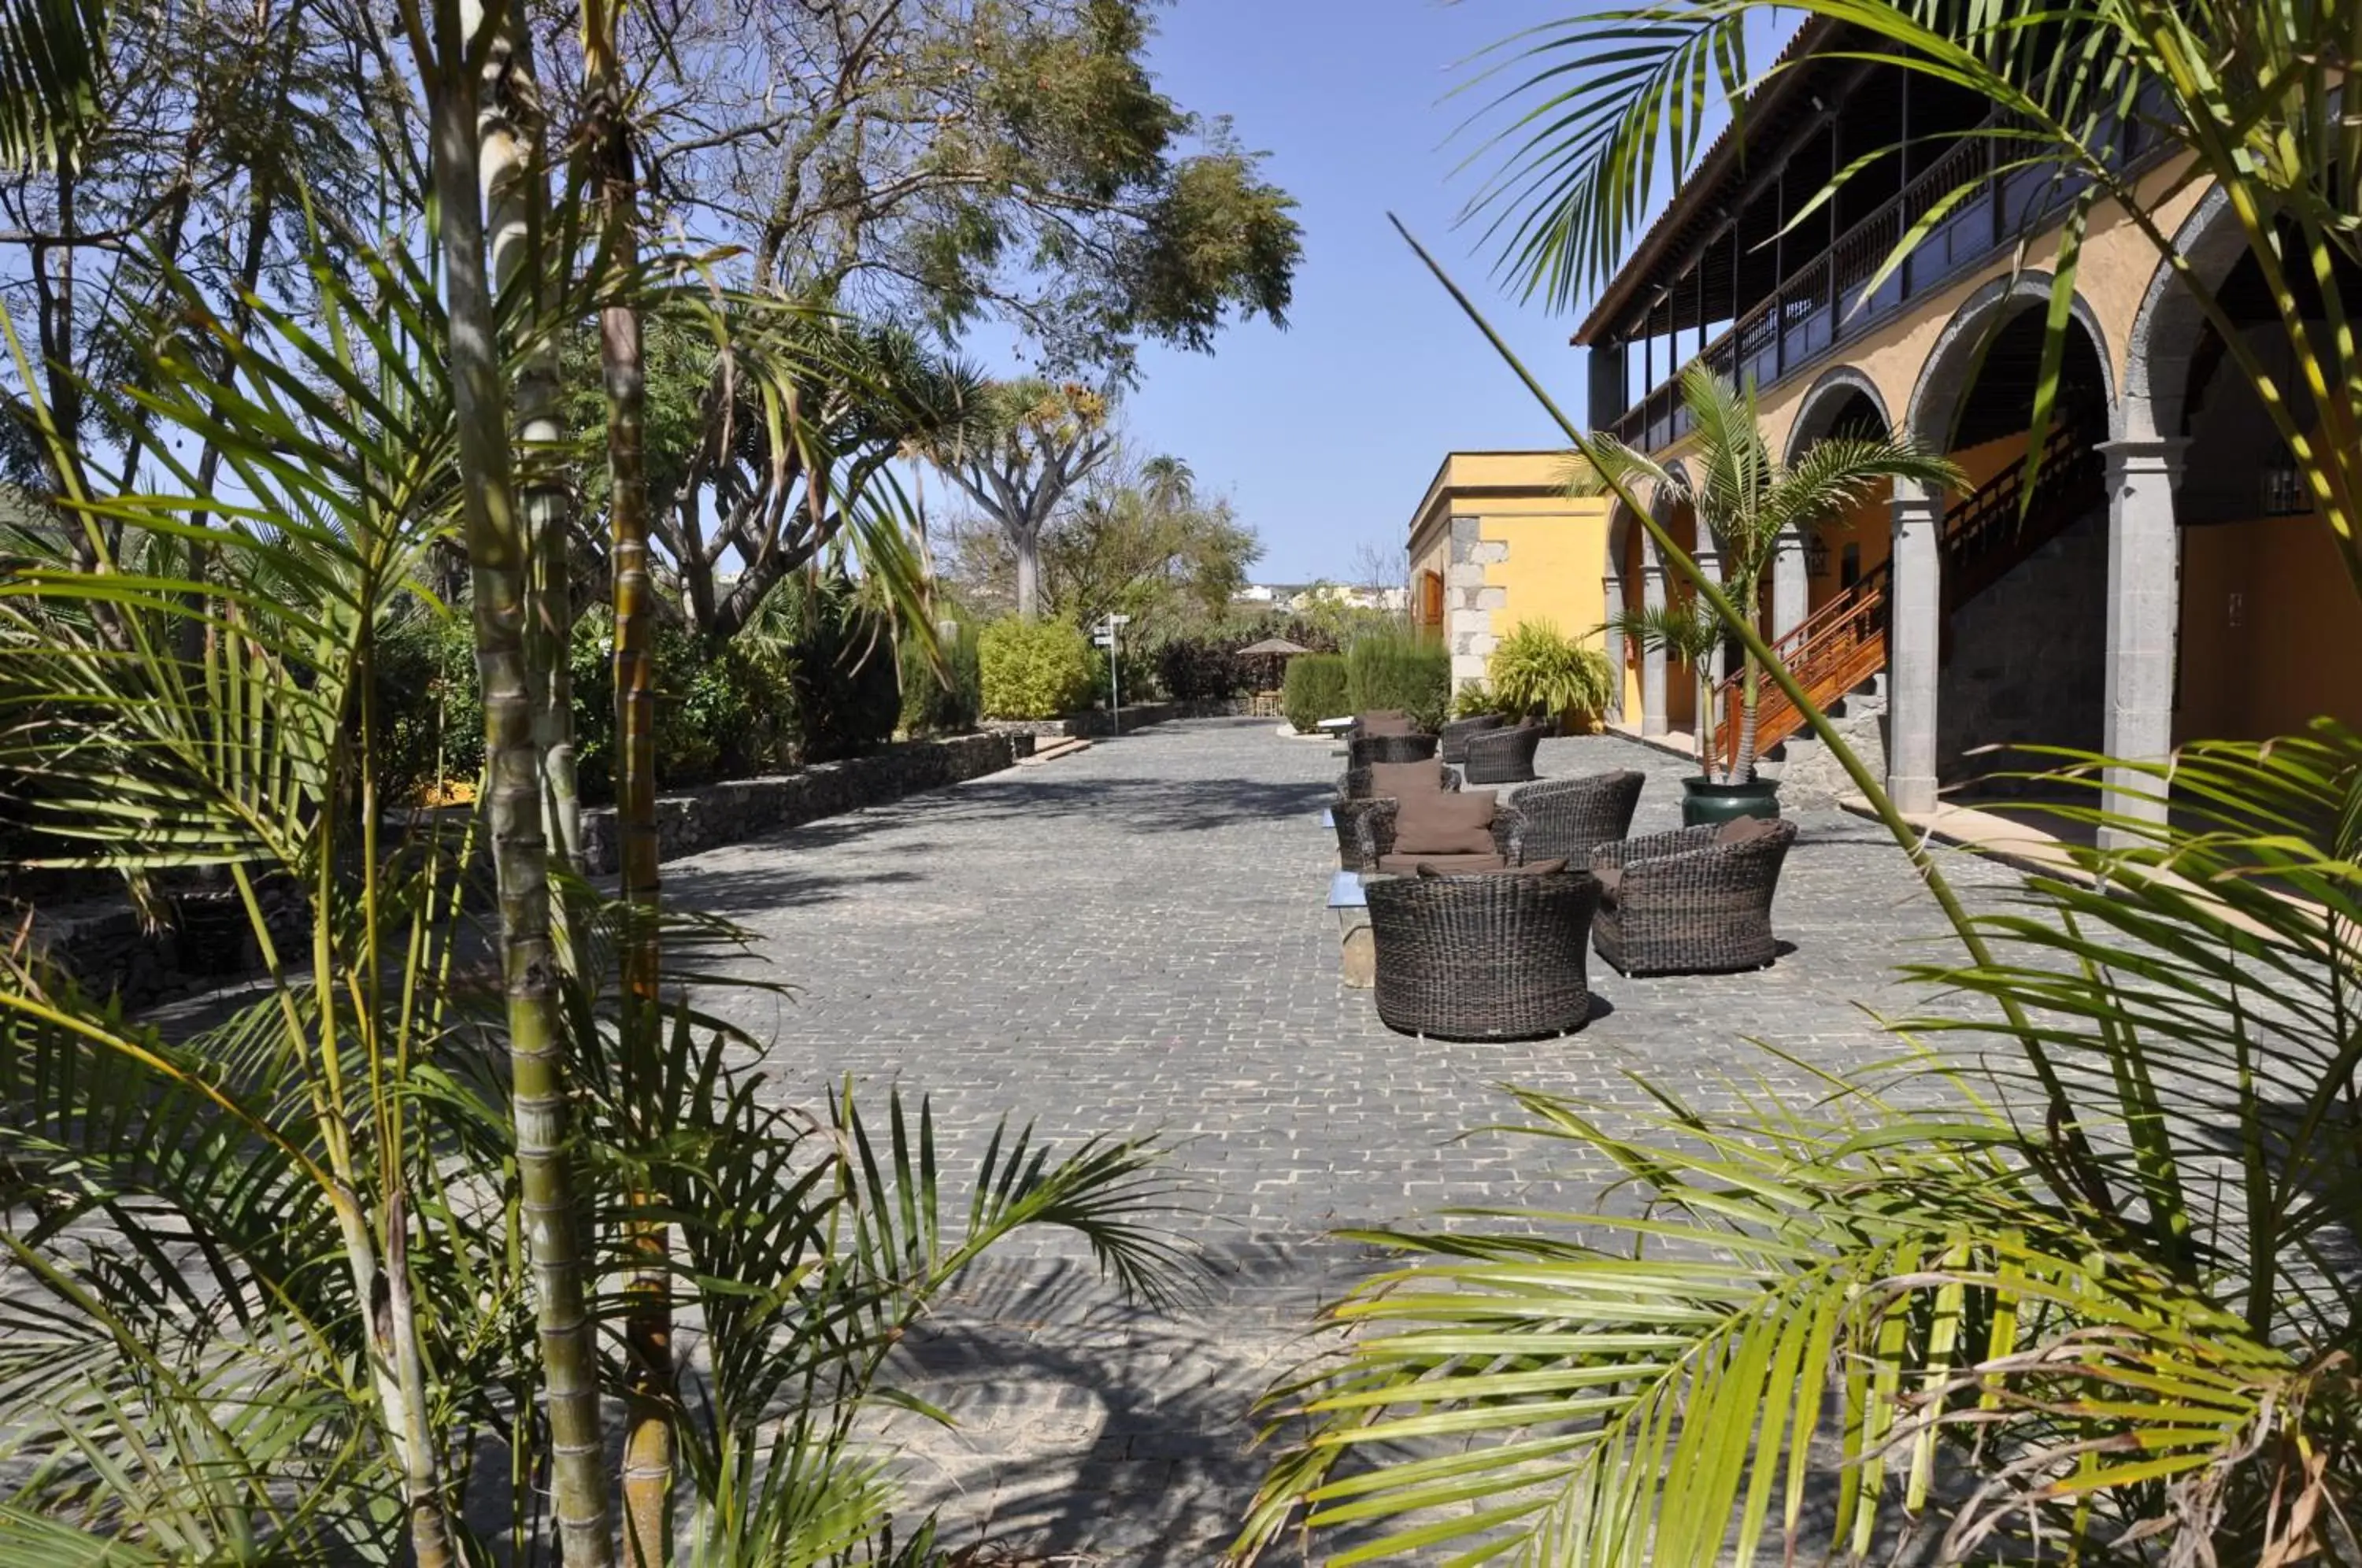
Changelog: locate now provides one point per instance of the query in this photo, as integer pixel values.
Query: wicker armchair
(1684, 902)
(1362, 750)
(1348, 810)
(1354, 784)
(1502, 757)
(1566, 818)
(1487, 957)
(1373, 834)
(1454, 736)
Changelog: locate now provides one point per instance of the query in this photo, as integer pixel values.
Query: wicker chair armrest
(1503, 739)
(1651, 846)
(1710, 867)
(1509, 834)
(1450, 779)
(1374, 830)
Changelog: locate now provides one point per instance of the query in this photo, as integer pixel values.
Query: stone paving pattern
(1134, 940)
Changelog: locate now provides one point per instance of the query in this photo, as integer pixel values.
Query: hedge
(1315, 690)
(1402, 671)
(946, 701)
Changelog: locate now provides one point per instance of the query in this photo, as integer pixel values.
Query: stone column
(1652, 661)
(1792, 584)
(1611, 597)
(1915, 624)
(1469, 601)
(2143, 620)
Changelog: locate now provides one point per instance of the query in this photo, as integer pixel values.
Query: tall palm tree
(448, 44)
(1747, 502)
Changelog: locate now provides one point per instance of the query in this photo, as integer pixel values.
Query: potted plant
(1686, 632)
(1747, 503)
(1539, 672)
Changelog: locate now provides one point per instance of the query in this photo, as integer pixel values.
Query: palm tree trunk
(496, 555)
(511, 134)
(648, 1327)
(1742, 770)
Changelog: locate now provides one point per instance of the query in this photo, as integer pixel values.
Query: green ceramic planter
(1708, 804)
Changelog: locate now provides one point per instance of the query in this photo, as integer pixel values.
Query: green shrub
(722, 714)
(429, 710)
(1035, 669)
(946, 701)
(1315, 689)
(1398, 669)
(844, 693)
(1537, 670)
(1473, 700)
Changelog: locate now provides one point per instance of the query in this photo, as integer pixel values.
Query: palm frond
(1793, 1340)
(52, 60)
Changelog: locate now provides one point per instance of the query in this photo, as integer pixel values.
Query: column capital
(2140, 455)
(1914, 506)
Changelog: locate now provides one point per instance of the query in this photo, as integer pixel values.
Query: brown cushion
(1742, 830)
(1440, 865)
(1433, 866)
(1387, 724)
(1610, 878)
(1392, 780)
(1443, 821)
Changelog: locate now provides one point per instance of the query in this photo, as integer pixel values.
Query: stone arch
(1951, 366)
(1817, 410)
(2168, 327)
(1827, 402)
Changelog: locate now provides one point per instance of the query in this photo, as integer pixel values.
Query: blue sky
(1326, 434)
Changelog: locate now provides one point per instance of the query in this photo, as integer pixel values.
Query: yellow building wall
(1555, 568)
(2268, 626)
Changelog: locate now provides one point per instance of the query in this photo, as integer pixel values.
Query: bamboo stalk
(496, 553)
(648, 1327)
(511, 135)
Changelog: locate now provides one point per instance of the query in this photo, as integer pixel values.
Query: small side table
(1358, 961)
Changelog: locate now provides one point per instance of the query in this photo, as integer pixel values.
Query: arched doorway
(1844, 402)
(2022, 610)
(2269, 617)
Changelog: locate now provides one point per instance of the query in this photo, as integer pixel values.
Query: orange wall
(1635, 600)
(2268, 627)
(1681, 680)
(1870, 525)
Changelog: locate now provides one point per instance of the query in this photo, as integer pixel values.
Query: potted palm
(1686, 632)
(1747, 503)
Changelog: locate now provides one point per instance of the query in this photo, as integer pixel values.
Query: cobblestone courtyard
(1134, 940)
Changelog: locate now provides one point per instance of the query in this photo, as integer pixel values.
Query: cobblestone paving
(1134, 940)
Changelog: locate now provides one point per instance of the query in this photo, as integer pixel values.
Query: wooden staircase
(1843, 644)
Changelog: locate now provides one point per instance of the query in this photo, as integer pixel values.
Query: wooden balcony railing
(1823, 303)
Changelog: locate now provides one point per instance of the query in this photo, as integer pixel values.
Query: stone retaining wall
(742, 809)
(1096, 721)
(105, 944)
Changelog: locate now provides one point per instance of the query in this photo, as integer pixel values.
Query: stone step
(1055, 750)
